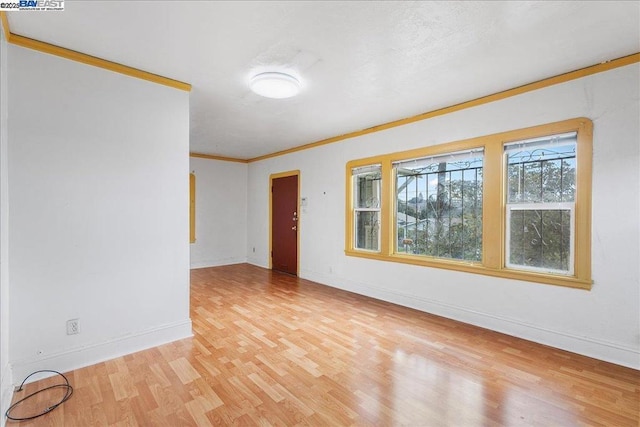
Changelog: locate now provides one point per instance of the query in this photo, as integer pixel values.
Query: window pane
(568, 180)
(367, 225)
(439, 206)
(540, 239)
(366, 187)
(542, 171)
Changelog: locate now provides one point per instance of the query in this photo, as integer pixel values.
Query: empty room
(327, 213)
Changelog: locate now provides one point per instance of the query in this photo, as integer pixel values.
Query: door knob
(295, 227)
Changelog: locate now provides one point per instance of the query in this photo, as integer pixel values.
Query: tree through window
(541, 187)
(515, 204)
(439, 206)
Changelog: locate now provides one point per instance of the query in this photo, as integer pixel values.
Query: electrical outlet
(73, 326)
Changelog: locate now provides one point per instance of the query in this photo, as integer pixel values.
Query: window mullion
(493, 211)
(567, 214)
(387, 219)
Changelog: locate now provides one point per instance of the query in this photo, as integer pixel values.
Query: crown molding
(73, 55)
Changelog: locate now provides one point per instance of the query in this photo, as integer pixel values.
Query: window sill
(476, 268)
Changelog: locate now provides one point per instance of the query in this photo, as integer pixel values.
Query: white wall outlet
(73, 326)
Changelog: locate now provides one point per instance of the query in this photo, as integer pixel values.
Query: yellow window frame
(493, 206)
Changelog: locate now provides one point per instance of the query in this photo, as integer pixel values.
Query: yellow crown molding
(562, 78)
(214, 157)
(96, 62)
(5, 25)
(133, 72)
(87, 59)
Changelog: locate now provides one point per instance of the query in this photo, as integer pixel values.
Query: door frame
(271, 178)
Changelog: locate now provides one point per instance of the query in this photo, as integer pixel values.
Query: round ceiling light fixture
(275, 85)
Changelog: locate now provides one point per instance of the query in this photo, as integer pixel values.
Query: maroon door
(284, 224)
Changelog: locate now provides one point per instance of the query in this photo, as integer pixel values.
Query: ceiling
(361, 63)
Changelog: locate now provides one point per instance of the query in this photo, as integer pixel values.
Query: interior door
(284, 224)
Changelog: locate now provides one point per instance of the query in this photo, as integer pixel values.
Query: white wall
(602, 323)
(98, 225)
(221, 213)
(5, 368)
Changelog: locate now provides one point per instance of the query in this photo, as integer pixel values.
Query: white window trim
(355, 234)
(564, 206)
(354, 174)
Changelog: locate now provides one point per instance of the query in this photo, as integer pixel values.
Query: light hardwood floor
(272, 349)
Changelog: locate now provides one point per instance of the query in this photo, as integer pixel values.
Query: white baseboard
(591, 347)
(6, 391)
(257, 263)
(79, 357)
(217, 262)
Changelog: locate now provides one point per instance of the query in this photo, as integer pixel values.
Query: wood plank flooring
(272, 349)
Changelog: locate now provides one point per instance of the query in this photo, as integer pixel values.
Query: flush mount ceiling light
(275, 85)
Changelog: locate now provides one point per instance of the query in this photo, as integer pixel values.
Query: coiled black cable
(67, 395)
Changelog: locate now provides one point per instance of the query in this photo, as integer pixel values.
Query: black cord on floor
(67, 395)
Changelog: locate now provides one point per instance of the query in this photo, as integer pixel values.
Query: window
(366, 202)
(541, 183)
(439, 206)
(515, 204)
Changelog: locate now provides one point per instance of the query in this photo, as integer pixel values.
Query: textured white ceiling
(361, 63)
